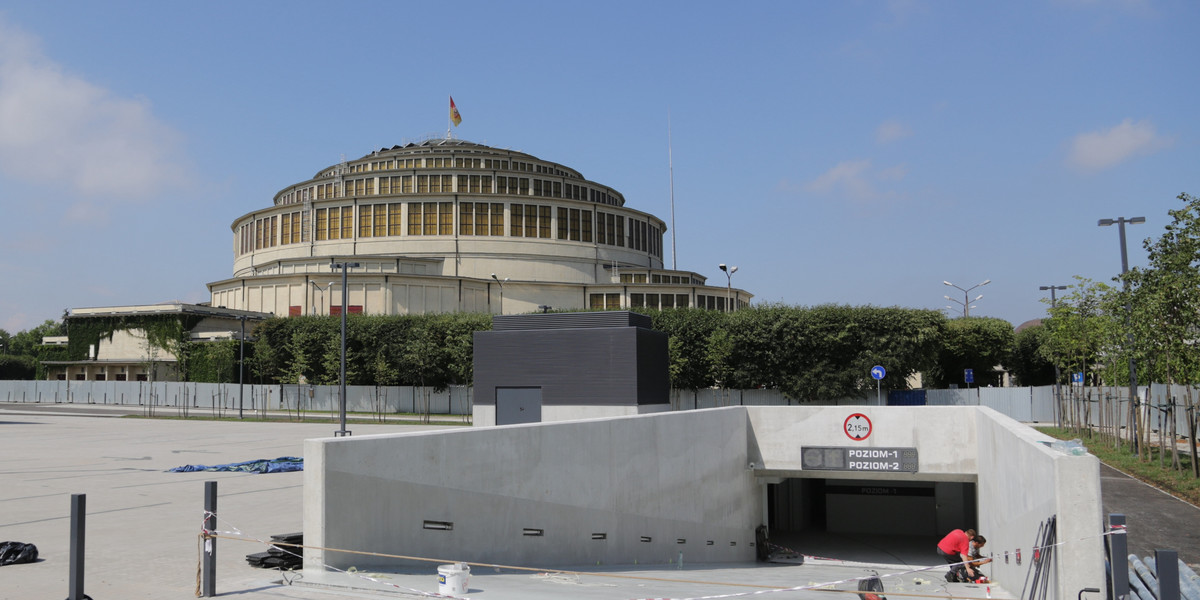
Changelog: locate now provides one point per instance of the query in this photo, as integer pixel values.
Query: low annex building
(127, 354)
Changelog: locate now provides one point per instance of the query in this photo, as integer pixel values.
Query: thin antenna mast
(671, 170)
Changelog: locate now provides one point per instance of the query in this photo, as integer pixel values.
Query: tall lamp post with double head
(344, 266)
(1133, 397)
(501, 284)
(729, 271)
(966, 301)
(1057, 373)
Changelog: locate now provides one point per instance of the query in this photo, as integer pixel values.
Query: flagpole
(449, 118)
(671, 170)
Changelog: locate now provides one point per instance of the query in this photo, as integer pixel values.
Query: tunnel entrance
(867, 520)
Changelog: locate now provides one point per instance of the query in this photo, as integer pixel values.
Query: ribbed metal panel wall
(575, 361)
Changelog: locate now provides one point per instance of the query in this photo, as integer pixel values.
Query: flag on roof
(454, 114)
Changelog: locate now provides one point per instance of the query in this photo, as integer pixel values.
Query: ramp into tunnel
(865, 519)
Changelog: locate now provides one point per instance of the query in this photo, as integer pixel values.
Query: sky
(852, 152)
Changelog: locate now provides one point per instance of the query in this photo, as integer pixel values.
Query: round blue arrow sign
(878, 372)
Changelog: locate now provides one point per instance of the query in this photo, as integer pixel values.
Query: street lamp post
(1133, 397)
(241, 365)
(1057, 373)
(729, 271)
(342, 380)
(501, 284)
(966, 301)
(329, 286)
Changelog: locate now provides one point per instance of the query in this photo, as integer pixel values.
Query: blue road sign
(1076, 377)
(878, 372)
(969, 375)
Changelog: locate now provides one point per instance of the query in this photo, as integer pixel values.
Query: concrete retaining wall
(656, 485)
(1022, 483)
(653, 486)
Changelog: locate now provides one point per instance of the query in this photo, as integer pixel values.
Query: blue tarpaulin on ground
(282, 464)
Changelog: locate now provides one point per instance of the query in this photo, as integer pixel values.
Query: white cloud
(891, 130)
(856, 181)
(57, 128)
(1099, 150)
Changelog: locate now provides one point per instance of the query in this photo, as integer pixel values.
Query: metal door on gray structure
(518, 405)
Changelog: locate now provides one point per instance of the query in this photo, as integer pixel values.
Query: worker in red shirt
(956, 549)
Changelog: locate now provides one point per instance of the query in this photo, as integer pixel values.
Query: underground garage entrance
(865, 519)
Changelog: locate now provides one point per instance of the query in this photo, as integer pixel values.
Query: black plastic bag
(15, 553)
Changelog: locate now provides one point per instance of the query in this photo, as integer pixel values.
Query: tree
(26, 343)
(17, 367)
(1083, 331)
(1027, 363)
(977, 343)
(688, 331)
(1165, 301)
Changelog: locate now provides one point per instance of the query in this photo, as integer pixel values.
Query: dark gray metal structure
(530, 362)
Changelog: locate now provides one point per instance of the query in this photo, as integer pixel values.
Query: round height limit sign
(857, 427)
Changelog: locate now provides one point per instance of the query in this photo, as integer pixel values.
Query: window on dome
(430, 209)
(414, 218)
(497, 218)
(562, 223)
(347, 222)
(322, 224)
(516, 227)
(395, 218)
(466, 218)
(379, 218)
(544, 222)
(296, 229)
(586, 222)
(445, 218)
(364, 221)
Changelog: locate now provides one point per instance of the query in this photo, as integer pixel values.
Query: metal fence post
(1118, 557)
(78, 531)
(209, 570)
(1166, 566)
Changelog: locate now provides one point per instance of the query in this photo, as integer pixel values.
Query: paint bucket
(452, 579)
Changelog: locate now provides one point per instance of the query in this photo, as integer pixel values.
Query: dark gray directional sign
(840, 458)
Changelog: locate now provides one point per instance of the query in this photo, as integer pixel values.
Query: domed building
(447, 225)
